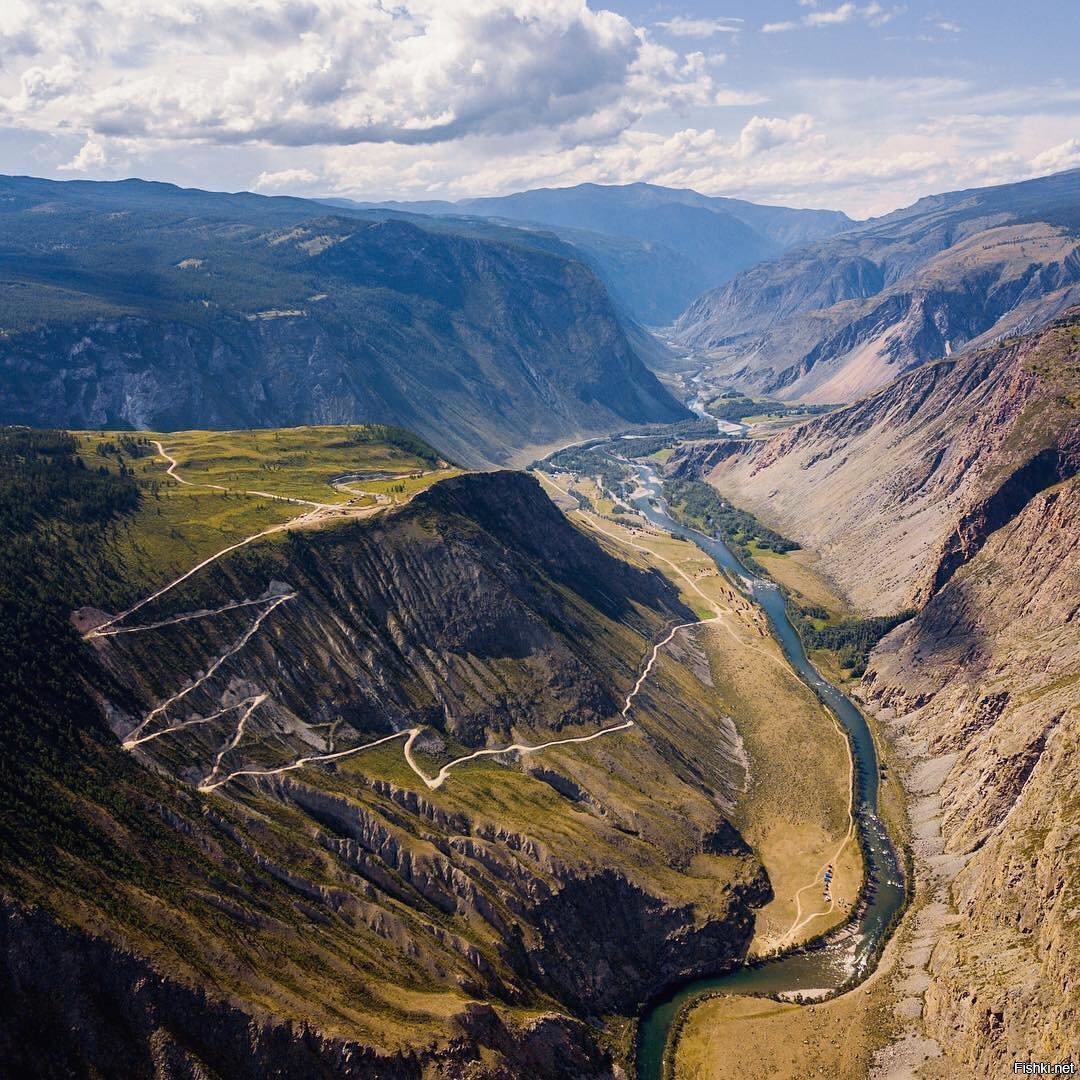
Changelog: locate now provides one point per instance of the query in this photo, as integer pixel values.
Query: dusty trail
(437, 781)
(159, 710)
(100, 630)
(230, 744)
(316, 512)
(187, 723)
(212, 780)
(312, 759)
(188, 616)
(174, 465)
(799, 922)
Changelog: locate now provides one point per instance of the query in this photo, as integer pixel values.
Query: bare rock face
(900, 489)
(832, 321)
(988, 672)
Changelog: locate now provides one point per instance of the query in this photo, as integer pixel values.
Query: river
(852, 951)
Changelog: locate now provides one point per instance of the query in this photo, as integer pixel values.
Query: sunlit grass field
(179, 524)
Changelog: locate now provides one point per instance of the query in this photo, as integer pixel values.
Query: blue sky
(861, 106)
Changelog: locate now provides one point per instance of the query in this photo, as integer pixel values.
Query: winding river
(851, 952)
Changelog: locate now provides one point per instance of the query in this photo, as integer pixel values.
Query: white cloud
(285, 180)
(726, 98)
(699, 28)
(90, 158)
(449, 98)
(1065, 155)
(306, 72)
(873, 13)
(764, 133)
(828, 18)
(40, 84)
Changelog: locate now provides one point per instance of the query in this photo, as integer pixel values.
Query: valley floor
(795, 809)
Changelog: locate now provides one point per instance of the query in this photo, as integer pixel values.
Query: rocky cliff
(146, 306)
(986, 682)
(898, 490)
(834, 320)
(343, 917)
(956, 488)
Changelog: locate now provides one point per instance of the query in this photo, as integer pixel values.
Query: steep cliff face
(986, 679)
(341, 915)
(956, 488)
(897, 491)
(832, 321)
(151, 307)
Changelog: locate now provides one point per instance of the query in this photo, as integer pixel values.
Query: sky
(860, 106)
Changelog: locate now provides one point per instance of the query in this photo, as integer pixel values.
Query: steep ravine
(899, 489)
(956, 488)
(837, 319)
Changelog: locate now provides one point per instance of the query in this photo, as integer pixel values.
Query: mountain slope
(656, 248)
(345, 917)
(898, 490)
(983, 687)
(145, 305)
(833, 320)
(957, 487)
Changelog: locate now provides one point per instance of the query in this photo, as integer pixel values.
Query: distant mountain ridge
(146, 305)
(833, 320)
(656, 248)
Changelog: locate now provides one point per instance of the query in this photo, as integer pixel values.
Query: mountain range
(327, 756)
(144, 305)
(833, 320)
(656, 248)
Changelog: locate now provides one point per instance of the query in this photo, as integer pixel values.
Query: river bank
(841, 958)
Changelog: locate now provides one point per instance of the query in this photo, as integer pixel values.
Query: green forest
(850, 639)
(697, 504)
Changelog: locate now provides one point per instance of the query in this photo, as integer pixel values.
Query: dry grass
(745, 1036)
(795, 811)
(800, 571)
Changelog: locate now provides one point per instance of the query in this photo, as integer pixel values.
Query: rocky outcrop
(79, 1005)
(986, 677)
(250, 312)
(832, 321)
(899, 490)
(347, 911)
(603, 940)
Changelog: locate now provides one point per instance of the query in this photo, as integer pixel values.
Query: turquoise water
(852, 955)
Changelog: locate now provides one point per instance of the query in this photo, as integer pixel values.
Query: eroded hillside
(832, 321)
(344, 915)
(898, 490)
(956, 486)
